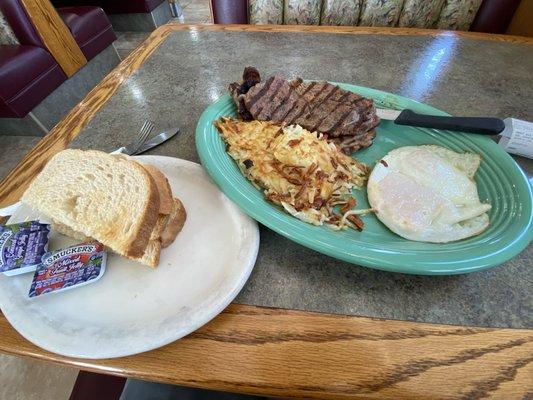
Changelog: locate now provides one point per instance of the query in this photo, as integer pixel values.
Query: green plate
(500, 181)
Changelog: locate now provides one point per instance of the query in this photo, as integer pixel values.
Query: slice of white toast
(110, 199)
(169, 223)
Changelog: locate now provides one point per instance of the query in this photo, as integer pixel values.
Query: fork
(146, 129)
(132, 148)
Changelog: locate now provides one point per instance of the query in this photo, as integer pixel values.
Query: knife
(151, 143)
(157, 140)
(479, 125)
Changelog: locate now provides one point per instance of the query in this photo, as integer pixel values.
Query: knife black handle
(480, 125)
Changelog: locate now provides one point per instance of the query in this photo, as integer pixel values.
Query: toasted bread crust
(163, 187)
(151, 255)
(150, 215)
(175, 223)
(160, 225)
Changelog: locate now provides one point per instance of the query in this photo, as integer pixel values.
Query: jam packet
(69, 268)
(22, 246)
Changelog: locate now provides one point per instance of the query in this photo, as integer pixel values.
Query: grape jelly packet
(22, 246)
(69, 268)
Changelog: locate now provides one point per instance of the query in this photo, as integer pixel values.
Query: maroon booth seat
(19, 21)
(130, 6)
(114, 6)
(230, 11)
(494, 16)
(90, 27)
(28, 72)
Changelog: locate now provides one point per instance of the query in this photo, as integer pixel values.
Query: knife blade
(479, 125)
(157, 140)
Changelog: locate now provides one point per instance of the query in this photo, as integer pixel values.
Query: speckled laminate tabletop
(191, 69)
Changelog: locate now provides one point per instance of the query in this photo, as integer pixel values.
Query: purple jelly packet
(22, 246)
(69, 268)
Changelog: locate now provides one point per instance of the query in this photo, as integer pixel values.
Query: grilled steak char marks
(348, 119)
(335, 111)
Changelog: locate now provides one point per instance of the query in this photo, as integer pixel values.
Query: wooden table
(280, 352)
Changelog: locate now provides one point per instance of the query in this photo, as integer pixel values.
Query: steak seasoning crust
(346, 118)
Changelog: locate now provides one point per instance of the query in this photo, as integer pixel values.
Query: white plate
(134, 308)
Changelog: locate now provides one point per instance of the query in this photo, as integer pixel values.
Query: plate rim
(223, 304)
(417, 268)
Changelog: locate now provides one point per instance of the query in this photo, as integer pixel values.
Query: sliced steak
(336, 111)
(346, 118)
(349, 144)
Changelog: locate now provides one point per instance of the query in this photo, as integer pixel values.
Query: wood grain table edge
(16, 182)
(55, 35)
(292, 353)
(287, 352)
(353, 30)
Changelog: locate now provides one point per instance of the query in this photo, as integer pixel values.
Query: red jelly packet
(68, 268)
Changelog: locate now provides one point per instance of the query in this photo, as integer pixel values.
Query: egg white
(428, 193)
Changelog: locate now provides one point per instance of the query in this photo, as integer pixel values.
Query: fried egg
(428, 193)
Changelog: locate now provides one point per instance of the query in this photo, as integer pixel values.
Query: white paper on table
(9, 210)
(517, 137)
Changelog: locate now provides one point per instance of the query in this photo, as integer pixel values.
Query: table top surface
(181, 69)
(191, 69)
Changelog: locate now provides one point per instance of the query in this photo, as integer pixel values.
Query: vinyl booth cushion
(114, 6)
(230, 12)
(17, 18)
(130, 6)
(90, 27)
(28, 74)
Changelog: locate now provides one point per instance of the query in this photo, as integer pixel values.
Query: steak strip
(348, 119)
